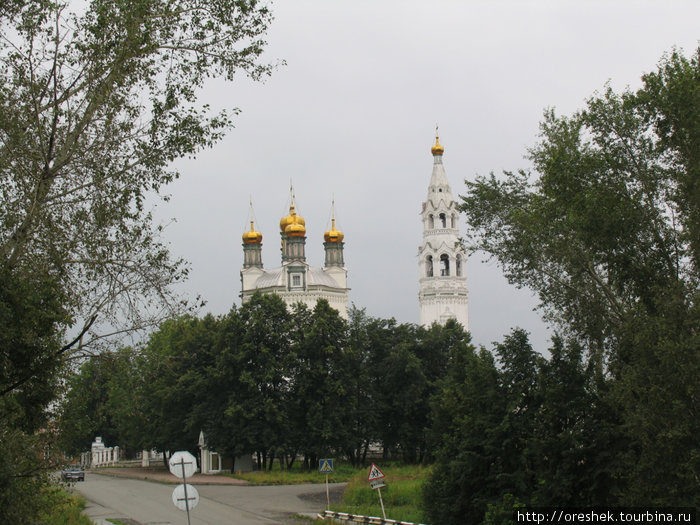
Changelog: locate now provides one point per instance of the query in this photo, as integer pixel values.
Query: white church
(295, 281)
(442, 260)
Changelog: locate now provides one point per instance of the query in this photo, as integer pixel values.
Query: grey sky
(353, 114)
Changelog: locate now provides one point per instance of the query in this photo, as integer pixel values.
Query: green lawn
(402, 495)
(276, 476)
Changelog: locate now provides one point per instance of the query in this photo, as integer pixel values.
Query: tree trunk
(272, 460)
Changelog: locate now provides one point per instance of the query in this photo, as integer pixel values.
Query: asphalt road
(138, 502)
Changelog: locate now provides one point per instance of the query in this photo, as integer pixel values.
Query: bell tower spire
(441, 259)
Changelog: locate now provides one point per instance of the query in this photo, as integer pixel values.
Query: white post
(381, 502)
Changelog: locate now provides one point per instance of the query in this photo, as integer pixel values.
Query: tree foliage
(103, 401)
(269, 381)
(522, 430)
(606, 232)
(97, 99)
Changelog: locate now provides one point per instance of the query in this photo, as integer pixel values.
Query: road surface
(138, 502)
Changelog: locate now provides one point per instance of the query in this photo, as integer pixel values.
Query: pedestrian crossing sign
(325, 466)
(375, 473)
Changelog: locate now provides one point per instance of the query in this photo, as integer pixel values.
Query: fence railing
(356, 518)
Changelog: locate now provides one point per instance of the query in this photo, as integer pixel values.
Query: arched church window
(458, 266)
(444, 265)
(431, 221)
(429, 266)
(443, 220)
(454, 220)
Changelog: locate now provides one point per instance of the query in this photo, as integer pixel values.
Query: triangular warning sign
(326, 466)
(375, 473)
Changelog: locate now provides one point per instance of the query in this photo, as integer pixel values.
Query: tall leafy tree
(97, 99)
(320, 384)
(171, 369)
(574, 449)
(362, 416)
(606, 232)
(31, 316)
(466, 415)
(518, 385)
(258, 368)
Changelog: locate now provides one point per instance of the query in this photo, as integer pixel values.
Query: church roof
(275, 278)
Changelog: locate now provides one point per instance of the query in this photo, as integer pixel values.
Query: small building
(212, 462)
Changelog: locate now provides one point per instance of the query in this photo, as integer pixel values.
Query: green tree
(518, 383)
(466, 415)
(574, 448)
(31, 317)
(97, 99)
(606, 232)
(528, 431)
(171, 369)
(320, 404)
(362, 415)
(398, 383)
(255, 413)
(104, 399)
(31, 320)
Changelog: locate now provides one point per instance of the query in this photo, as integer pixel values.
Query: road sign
(325, 466)
(185, 497)
(375, 473)
(182, 464)
(377, 483)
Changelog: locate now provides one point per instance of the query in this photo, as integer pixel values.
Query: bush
(58, 507)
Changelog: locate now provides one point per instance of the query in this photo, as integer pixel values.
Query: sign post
(185, 497)
(325, 466)
(376, 481)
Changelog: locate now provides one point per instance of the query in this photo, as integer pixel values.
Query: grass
(296, 476)
(402, 496)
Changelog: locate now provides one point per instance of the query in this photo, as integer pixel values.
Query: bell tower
(441, 258)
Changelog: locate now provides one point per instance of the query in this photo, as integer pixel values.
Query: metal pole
(187, 501)
(381, 502)
(328, 496)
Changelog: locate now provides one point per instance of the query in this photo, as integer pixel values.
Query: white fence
(99, 455)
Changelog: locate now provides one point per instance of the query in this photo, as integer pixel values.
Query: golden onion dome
(437, 149)
(333, 235)
(290, 219)
(252, 237)
(296, 229)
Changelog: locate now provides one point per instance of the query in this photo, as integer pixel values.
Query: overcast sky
(352, 114)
